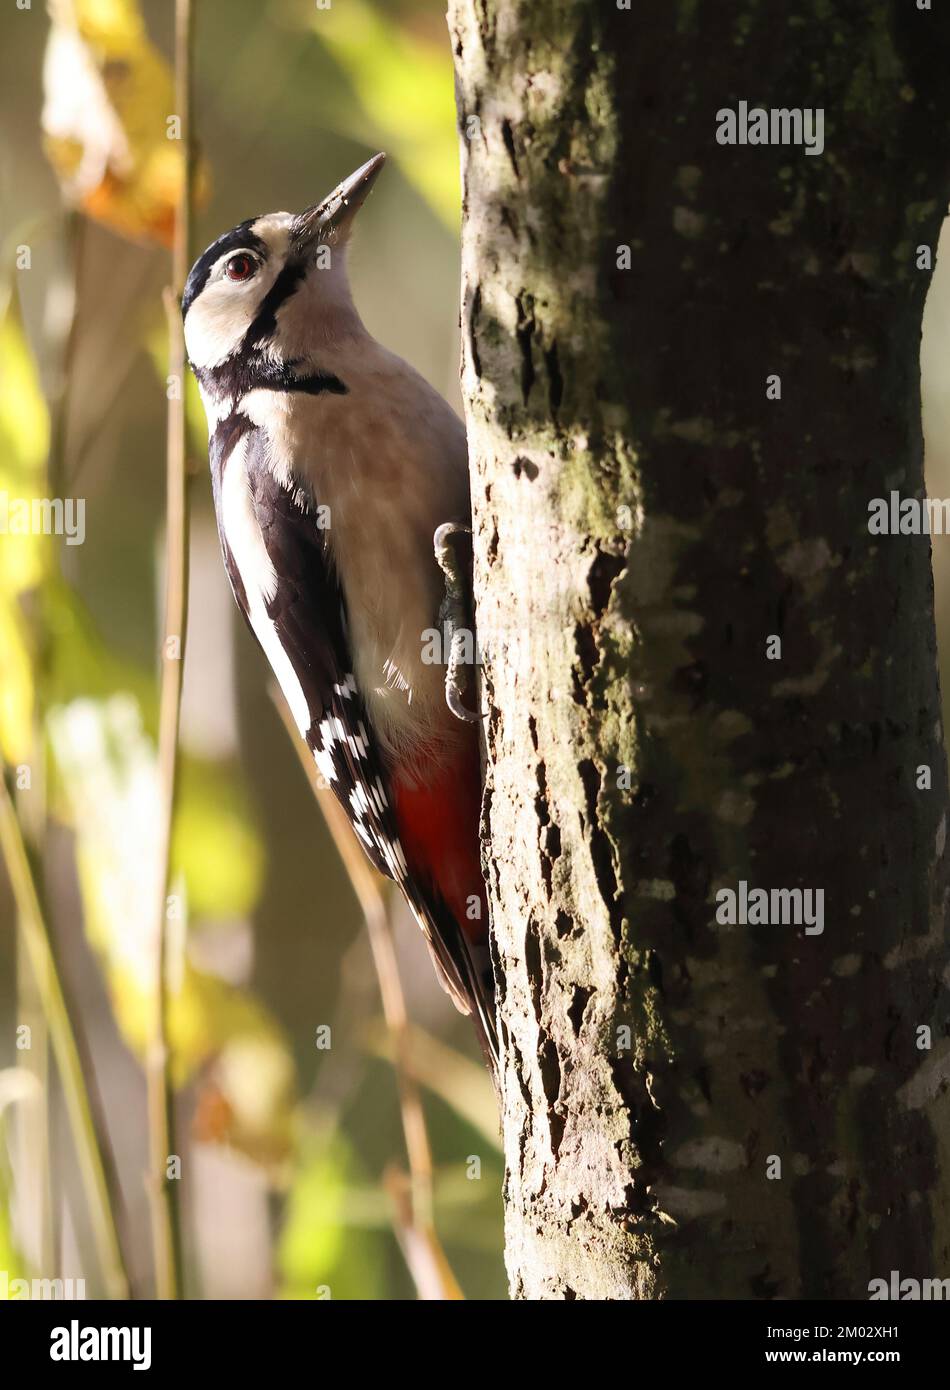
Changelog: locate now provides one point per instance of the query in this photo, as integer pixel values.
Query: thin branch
(428, 1264)
(35, 937)
(461, 1083)
(166, 1232)
(414, 1221)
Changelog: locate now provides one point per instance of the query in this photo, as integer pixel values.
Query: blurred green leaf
(318, 1248)
(215, 845)
(10, 1262)
(405, 86)
(81, 665)
(24, 419)
(24, 559)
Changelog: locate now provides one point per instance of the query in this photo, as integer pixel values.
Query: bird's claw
(452, 615)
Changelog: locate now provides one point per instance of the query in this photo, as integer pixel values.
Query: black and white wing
(280, 573)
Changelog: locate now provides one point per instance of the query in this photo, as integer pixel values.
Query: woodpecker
(332, 465)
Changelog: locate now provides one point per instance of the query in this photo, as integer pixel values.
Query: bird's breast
(385, 472)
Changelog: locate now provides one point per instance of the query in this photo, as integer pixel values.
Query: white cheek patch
(258, 576)
(219, 318)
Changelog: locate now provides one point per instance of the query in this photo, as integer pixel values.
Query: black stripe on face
(203, 266)
(265, 325)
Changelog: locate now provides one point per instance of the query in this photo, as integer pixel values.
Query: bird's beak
(329, 222)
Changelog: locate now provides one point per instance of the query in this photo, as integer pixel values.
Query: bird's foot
(453, 619)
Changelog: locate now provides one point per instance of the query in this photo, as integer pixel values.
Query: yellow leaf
(109, 120)
(24, 422)
(219, 1035)
(24, 556)
(16, 687)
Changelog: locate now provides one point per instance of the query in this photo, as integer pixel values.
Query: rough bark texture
(645, 520)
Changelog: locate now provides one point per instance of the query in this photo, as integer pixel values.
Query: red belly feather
(437, 812)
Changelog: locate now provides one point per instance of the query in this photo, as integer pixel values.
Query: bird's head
(275, 286)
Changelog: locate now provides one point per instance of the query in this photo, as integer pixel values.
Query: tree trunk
(695, 1107)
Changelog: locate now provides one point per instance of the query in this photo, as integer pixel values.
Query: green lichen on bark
(644, 519)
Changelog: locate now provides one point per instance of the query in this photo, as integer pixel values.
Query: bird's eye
(240, 267)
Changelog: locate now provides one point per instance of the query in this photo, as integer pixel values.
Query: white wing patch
(258, 576)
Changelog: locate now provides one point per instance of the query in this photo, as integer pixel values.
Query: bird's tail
(437, 815)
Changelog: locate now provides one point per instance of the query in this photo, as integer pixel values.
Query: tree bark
(693, 1108)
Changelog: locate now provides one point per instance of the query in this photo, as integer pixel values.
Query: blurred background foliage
(291, 1150)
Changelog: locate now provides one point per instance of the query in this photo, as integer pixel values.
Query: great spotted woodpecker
(332, 463)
